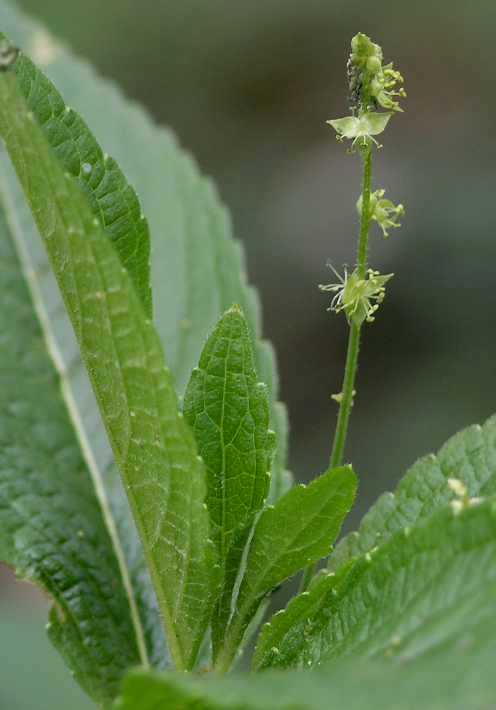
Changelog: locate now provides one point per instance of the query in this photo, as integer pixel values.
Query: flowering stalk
(348, 389)
(373, 87)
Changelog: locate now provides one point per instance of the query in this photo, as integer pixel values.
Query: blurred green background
(247, 86)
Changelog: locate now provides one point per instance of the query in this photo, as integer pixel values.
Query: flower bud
(372, 85)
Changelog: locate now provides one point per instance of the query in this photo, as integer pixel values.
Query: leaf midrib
(223, 447)
(30, 276)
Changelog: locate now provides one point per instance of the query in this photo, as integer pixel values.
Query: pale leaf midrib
(29, 273)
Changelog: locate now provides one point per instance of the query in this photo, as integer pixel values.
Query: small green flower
(360, 128)
(372, 86)
(383, 211)
(384, 87)
(358, 297)
(364, 63)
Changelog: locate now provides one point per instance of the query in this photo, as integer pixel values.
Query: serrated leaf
(228, 411)
(74, 143)
(426, 588)
(469, 456)
(152, 444)
(52, 528)
(296, 532)
(190, 243)
(451, 677)
(198, 269)
(299, 613)
(112, 200)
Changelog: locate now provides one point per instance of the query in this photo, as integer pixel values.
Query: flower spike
(372, 86)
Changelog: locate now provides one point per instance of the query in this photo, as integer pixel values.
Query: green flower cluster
(373, 86)
(374, 89)
(358, 297)
(383, 211)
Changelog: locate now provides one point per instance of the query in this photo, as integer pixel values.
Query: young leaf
(296, 532)
(469, 456)
(426, 588)
(152, 444)
(228, 411)
(192, 234)
(51, 526)
(451, 677)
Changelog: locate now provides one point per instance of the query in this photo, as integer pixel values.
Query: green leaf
(52, 528)
(192, 244)
(450, 677)
(113, 201)
(152, 444)
(228, 411)
(424, 589)
(469, 456)
(296, 532)
(63, 347)
(198, 270)
(299, 613)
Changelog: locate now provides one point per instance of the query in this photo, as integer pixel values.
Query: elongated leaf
(197, 268)
(152, 444)
(88, 427)
(194, 236)
(113, 201)
(296, 532)
(110, 196)
(451, 677)
(469, 456)
(52, 528)
(425, 588)
(228, 411)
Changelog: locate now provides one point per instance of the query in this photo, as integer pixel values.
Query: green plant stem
(348, 389)
(351, 367)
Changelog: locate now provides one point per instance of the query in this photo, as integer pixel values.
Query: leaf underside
(112, 200)
(154, 449)
(53, 532)
(192, 243)
(115, 204)
(198, 269)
